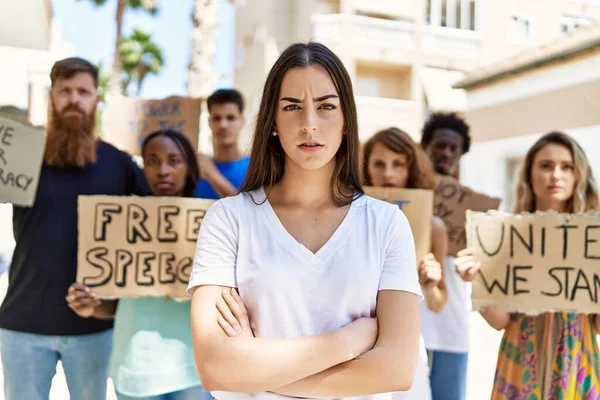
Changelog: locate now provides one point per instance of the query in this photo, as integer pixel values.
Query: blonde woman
(551, 355)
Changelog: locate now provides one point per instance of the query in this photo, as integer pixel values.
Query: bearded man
(37, 328)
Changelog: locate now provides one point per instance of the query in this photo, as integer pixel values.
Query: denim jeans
(193, 393)
(29, 364)
(448, 375)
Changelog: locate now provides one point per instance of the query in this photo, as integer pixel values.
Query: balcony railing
(346, 29)
(337, 28)
(451, 41)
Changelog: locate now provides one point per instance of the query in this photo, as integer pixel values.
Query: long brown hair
(585, 193)
(267, 157)
(420, 170)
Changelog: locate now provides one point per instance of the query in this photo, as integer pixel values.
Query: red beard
(71, 141)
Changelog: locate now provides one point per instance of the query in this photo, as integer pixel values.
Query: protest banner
(535, 263)
(417, 205)
(21, 154)
(451, 201)
(138, 246)
(127, 121)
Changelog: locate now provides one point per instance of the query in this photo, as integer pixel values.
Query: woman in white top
(314, 260)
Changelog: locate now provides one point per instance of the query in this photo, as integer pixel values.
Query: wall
(383, 81)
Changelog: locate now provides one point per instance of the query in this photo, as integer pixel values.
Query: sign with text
(127, 121)
(417, 205)
(21, 154)
(451, 201)
(138, 246)
(535, 263)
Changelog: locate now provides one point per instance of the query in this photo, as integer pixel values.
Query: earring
(274, 133)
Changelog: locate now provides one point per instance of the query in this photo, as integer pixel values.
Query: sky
(91, 30)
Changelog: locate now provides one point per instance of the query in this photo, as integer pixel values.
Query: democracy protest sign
(535, 263)
(138, 246)
(417, 205)
(21, 153)
(451, 201)
(127, 121)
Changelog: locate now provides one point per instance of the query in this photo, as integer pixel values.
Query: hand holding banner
(21, 154)
(535, 263)
(138, 246)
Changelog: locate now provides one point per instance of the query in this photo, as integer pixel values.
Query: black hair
(446, 121)
(68, 67)
(189, 153)
(223, 96)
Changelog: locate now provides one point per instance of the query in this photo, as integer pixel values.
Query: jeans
(193, 393)
(448, 375)
(29, 363)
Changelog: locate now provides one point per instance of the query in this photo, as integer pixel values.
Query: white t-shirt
(449, 330)
(288, 290)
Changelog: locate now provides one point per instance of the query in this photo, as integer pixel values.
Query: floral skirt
(552, 356)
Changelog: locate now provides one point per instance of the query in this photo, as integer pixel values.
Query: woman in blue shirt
(152, 357)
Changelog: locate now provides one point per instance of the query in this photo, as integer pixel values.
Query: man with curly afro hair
(445, 139)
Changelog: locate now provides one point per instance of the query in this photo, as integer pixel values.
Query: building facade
(405, 55)
(513, 102)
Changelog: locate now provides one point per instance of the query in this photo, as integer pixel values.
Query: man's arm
(220, 184)
(389, 367)
(213, 176)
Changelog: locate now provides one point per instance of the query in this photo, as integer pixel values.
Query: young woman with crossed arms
(313, 258)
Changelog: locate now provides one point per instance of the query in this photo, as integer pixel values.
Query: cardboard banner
(127, 121)
(138, 246)
(536, 263)
(417, 205)
(21, 155)
(451, 201)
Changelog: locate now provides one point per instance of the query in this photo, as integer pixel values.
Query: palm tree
(149, 6)
(139, 57)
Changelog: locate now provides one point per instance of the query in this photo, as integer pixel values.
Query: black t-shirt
(44, 262)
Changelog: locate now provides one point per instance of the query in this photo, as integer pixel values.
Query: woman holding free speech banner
(551, 355)
(314, 259)
(152, 346)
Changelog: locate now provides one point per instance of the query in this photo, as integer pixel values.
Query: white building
(513, 102)
(402, 55)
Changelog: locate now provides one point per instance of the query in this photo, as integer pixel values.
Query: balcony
(400, 9)
(350, 29)
(376, 113)
(451, 42)
(377, 39)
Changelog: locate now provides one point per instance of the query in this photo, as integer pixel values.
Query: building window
(572, 22)
(519, 29)
(461, 14)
